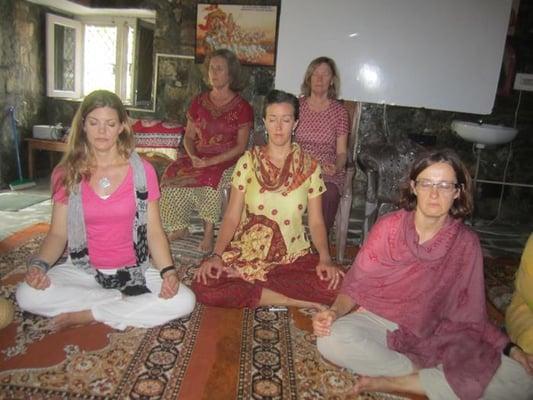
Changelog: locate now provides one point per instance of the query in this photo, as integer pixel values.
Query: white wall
(437, 54)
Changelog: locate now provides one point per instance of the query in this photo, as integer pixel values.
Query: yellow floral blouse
(271, 230)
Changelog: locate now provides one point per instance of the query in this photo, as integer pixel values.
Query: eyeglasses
(441, 186)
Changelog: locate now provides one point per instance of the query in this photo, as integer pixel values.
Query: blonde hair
(333, 90)
(78, 160)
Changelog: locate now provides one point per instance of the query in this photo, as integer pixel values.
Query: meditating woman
(218, 126)
(106, 211)
(519, 315)
(323, 130)
(421, 325)
(262, 255)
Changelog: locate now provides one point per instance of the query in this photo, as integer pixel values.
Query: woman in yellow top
(262, 255)
(519, 316)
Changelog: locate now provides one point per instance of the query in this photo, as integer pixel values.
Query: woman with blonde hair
(106, 212)
(323, 130)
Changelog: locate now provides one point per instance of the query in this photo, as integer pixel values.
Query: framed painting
(177, 81)
(250, 31)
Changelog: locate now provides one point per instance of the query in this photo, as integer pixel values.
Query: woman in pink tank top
(106, 213)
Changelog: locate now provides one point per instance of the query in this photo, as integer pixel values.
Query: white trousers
(72, 289)
(358, 341)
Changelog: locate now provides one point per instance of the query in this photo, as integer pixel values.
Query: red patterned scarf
(297, 168)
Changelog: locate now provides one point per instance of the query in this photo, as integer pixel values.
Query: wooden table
(42, 144)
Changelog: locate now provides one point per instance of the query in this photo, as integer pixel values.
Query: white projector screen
(437, 54)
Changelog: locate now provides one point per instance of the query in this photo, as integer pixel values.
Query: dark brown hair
(277, 97)
(464, 204)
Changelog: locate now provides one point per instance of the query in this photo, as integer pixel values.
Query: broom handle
(15, 139)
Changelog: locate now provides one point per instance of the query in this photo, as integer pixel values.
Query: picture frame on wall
(250, 31)
(177, 80)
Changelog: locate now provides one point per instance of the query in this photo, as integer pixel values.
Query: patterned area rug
(212, 354)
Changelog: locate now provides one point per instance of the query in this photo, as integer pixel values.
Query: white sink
(484, 134)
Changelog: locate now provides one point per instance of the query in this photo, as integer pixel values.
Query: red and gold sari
(217, 131)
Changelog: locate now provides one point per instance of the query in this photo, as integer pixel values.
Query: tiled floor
(497, 238)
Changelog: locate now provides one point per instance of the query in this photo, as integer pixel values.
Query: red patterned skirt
(298, 280)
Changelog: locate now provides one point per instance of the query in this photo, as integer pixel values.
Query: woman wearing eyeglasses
(410, 316)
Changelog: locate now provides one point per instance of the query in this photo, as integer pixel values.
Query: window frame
(122, 24)
(78, 23)
(51, 91)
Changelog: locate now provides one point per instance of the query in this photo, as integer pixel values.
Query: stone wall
(22, 83)
(22, 79)
(175, 35)
(433, 127)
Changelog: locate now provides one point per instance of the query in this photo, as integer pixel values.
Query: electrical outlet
(523, 82)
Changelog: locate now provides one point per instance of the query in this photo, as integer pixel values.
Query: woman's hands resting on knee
(523, 358)
(170, 285)
(327, 271)
(211, 267)
(37, 278)
(322, 322)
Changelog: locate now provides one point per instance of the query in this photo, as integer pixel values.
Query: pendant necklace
(104, 182)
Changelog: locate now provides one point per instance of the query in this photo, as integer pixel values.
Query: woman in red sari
(218, 125)
(262, 255)
(421, 324)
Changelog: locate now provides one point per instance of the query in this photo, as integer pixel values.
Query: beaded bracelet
(34, 261)
(163, 271)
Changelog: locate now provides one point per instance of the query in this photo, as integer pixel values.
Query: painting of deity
(250, 31)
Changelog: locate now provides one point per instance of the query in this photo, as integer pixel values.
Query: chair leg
(341, 222)
(370, 218)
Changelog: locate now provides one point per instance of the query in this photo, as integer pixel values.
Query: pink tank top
(109, 222)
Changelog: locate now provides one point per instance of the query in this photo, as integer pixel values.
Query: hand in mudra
(322, 322)
(211, 267)
(170, 285)
(37, 278)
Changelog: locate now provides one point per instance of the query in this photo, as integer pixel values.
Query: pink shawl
(435, 293)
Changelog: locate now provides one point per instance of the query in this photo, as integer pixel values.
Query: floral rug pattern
(278, 360)
(136, 363)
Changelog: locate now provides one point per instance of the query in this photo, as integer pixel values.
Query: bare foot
(178, 234)
(66, 320)
(206, 245)
(404, 384)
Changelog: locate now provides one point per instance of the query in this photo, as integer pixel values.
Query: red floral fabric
(217, 131)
